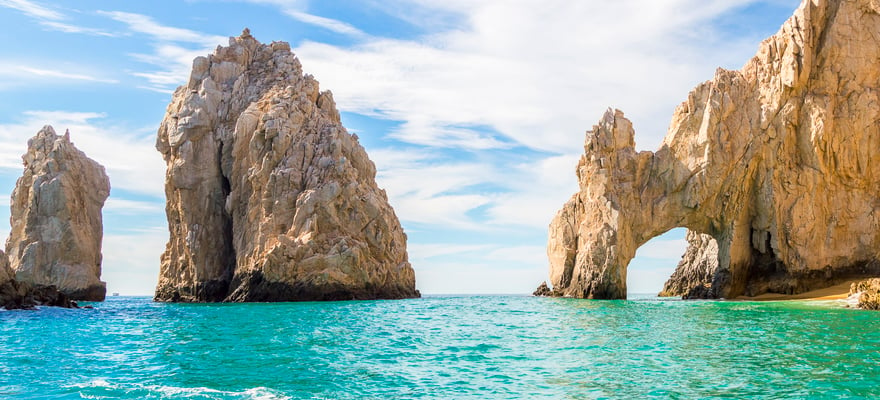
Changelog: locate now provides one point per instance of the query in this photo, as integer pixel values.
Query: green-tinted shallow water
(442, 347)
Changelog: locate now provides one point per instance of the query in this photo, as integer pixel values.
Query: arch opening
(654, 264)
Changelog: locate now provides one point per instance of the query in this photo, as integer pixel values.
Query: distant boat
(115, 294)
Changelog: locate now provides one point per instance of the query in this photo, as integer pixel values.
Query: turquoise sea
(446, 347)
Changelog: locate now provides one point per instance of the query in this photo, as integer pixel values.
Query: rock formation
(22, 295)
(866, 294)
(269, 197)
(543, 291)
(56, 218)
(773, 169)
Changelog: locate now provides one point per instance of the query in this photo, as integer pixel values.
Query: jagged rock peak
(56, 218)
(773, 169)
(269, 197)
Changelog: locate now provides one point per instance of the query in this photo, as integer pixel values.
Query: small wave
(257, 393)
(103, 389)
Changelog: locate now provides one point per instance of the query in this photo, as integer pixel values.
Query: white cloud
(537, 190)
(173, 49)
(49, 18)
(420, 252)
(146, 25)
(425, 191)
(540, 84)
(133, 207)
(326, 23)
(14, 74)
(504, 76)
(48, 73)
(130, 158)
(131, 261)
(68, 28)
(32, 9)
(663, 249)
(296, 9)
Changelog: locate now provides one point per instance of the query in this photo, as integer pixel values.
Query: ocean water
(446, 347)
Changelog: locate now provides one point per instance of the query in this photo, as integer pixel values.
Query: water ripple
(441, 347)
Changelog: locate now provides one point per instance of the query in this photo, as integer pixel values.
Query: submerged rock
(543, 291)
(56, 218)
(773, 169)
(867, 294)
(269, 197)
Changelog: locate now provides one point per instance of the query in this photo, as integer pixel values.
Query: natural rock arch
(777, 163)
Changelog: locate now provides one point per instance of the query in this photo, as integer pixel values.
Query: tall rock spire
(56, 218)
(269, 197)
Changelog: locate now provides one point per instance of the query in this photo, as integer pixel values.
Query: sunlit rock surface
(56, 219)
(774, 169)
(269, 198)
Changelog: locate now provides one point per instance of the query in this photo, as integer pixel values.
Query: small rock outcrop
(867, 294)
(773, 169)
(269, 197)
(56, 218)
(20, 295)
(543, 291)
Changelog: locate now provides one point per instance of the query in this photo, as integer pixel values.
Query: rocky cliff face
(269, 197)
(56, 218)
(773, 169)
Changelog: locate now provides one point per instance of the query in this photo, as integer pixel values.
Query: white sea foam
(172, 392)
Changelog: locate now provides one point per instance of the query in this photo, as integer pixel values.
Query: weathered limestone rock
(56, 218)
(773, 169)
(269, 197)
(867, 294)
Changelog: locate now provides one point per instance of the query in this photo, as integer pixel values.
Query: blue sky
(473, 111)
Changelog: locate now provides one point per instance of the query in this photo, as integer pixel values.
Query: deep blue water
(448, 347)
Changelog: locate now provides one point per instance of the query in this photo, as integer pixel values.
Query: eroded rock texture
(22, 295)
(866, 293)
(56, 218)
(269, 197)
(774, 169)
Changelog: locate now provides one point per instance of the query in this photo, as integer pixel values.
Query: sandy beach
(836, 292)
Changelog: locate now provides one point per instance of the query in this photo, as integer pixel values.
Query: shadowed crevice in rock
(269, 197)
(773, 169)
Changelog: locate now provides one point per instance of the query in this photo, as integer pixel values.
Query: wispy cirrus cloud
(296, 9)
(129, 156)
(18, 74)
(326, 23)
(50, 18)
(173, 49)
(48, 73)
(144, 24)
(32, 9)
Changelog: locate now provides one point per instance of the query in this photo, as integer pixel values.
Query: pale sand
(836, 292)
